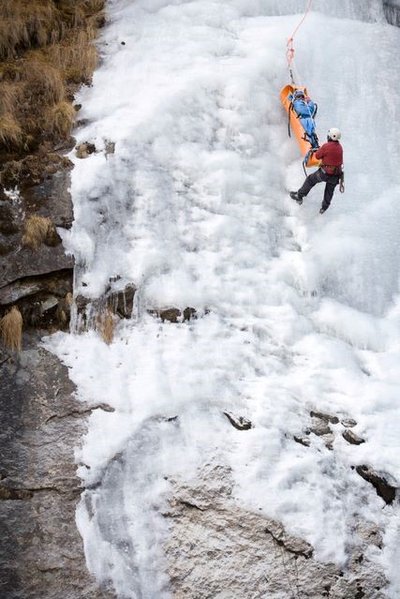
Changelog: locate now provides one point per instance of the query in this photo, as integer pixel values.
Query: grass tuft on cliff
(38, 230)
(11, 329)
(105, 324)
(61, 117)
(11, 135)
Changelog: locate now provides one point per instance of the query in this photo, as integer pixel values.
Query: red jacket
(331, 155)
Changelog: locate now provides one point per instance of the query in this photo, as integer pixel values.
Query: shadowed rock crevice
(79, 413)
(41, 299)
(392, 12)
(239, 422)
(379, 481)
(292, 545)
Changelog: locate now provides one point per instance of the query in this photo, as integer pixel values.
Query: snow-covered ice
(297, 311)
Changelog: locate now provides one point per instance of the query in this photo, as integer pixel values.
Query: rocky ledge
(219, 549)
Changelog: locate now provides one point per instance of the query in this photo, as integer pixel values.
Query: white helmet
(334, 134)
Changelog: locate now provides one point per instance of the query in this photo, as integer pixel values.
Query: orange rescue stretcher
(295, 125)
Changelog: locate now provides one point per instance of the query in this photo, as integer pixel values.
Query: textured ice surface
(297, 311)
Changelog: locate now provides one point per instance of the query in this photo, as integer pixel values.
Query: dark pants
(318, 177)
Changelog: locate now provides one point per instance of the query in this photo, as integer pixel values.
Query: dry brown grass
(27, 23)
(30, 87)
(76, 12)
(42, 83)
(47, 51)
(7, 97)
(11, 329)
(75, 57)
(37, 230)
(11, 134)
(60, 119)
(105, 324)
(93, 6)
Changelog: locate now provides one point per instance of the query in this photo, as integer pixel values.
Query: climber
(305, 109)
(330, 171)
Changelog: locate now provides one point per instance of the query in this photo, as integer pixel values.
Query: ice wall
(296, 312)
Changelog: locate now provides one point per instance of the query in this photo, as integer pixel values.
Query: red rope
(290, 45)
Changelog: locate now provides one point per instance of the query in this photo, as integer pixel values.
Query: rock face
(218, 550)
(352, 438)
(41, 554)
(175, 314)
(30, 278)
(118, 302)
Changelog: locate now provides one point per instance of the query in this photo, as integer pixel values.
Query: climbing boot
(322, 210)
(295, 196)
